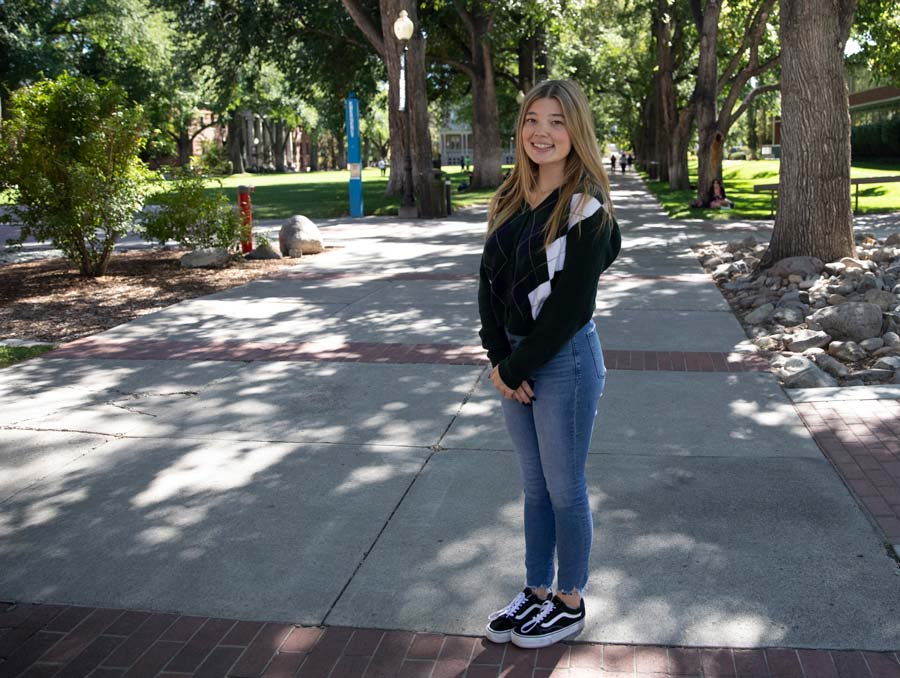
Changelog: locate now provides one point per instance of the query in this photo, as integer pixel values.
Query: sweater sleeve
(493, 335)
(571, 303)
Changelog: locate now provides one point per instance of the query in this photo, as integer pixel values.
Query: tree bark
(814, 214)
(488, 170)
(526, 63)
(705, 98)
(416, 115)
(280, 143)
(235, 142)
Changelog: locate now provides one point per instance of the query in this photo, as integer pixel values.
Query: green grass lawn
(741, 175)
(15, 354)
(322, 195)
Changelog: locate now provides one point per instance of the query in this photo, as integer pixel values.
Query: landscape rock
(788, 315)
(263, 251)
(873, 375)
(299, 236)
(851, 321)
(833, 367)
(873, 344)
(888, 363)
(891, 339)
(206, 257)
(850, 262)
(797, 265)
(893, 240)
(881, 298)
(760, 314)
(846, 350)
(800, 372)
(804, 339)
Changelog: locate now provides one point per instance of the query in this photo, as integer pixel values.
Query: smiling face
(544, 133)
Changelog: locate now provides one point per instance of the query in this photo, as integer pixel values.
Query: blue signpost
(353, 161)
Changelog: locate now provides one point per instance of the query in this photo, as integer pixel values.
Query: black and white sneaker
(502, 622)
(555, 622)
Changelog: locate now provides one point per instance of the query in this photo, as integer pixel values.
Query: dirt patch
(49, 301)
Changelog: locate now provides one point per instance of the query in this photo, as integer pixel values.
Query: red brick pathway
(55, 640)
(370, 352)
(862, 439)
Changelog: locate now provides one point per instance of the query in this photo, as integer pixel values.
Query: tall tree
(814, 216)
(742, 34)
(381, 36)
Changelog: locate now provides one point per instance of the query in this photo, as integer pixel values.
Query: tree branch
(365, 24)
(747, 99)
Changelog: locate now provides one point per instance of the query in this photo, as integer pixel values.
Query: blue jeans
(552, 437)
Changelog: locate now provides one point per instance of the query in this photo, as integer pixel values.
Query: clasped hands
(523, 394)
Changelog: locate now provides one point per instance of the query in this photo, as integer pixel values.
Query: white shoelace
(546, 609)
(511, 609)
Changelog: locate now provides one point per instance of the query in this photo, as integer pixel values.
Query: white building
(456, 144)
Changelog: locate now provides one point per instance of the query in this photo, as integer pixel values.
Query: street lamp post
(403, 29)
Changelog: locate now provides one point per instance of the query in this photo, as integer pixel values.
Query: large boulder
(299, 236)
(853, 321)
(804, 266)
(206, 257)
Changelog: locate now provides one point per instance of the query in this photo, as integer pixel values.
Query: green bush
(213, 160)
(877, 139)
(193, 217)
(69, 154)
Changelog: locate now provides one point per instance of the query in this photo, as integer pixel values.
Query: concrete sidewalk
(323, 448)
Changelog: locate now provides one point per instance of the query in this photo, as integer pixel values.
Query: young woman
(551, 233)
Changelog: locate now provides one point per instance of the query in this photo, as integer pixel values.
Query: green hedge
(876, 140)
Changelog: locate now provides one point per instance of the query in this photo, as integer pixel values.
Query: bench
(773, 188)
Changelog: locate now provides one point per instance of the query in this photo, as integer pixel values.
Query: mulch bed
(49, 301)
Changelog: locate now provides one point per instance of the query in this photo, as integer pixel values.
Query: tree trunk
(705, 101)
(235, 142)
(677, 151)
(280, 143)
(541, 62)
(752, 136)
(814, 217)
(665, 91)
(409, 126)
(526, 63)
(314, 151)
(183, 143)
(487, 157)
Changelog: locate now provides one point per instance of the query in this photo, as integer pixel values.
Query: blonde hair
(583, 171)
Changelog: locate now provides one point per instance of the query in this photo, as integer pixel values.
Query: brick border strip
(59, 640)
(392, 353)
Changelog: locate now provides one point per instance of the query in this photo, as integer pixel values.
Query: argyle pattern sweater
(543, 294)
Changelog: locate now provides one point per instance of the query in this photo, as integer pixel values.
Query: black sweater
(543, 294)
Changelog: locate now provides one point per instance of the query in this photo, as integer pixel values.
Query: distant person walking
(622, 162)
(612, 163)
(551, 233)
(382, 165)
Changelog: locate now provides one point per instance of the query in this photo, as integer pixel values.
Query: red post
(246, 218)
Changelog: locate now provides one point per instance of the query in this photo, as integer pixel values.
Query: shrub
(193, 217)
(70, 152)
(213, 160)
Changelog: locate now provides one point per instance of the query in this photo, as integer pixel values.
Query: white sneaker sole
(497, 637)
(532, 642)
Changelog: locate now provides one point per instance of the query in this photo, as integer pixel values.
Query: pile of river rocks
(820, 324)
